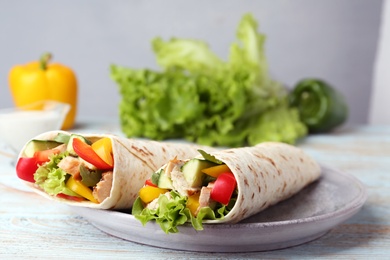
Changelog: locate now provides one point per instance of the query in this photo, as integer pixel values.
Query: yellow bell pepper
(39, 80)
(193, 203)
(149, 193)
(81, 189)
(103, 148)
(215, 171)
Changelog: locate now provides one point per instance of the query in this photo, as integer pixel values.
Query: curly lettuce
(51, 178)
(201, 98)
(172, 212)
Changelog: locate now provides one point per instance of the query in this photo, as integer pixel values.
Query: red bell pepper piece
(68, 197)
(223, 188)
(149, 182)
(26, 167)
(86, 152)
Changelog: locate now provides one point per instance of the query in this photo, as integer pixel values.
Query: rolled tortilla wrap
(134, 160)
(265, 175)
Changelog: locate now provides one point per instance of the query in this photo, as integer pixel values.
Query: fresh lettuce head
(199, 97)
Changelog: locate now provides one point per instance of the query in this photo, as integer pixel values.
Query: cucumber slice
(62, 138)
(39, 145)
(164, 182)
(192, 171)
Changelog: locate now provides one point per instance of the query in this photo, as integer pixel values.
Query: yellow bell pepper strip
(103, 148)
(193, 203)
(86, 152)
(41, 80)
(215, 171)
(80, 189)
(149, 193)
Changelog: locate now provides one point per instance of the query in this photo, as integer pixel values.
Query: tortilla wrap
(134, 161)
(265, 175)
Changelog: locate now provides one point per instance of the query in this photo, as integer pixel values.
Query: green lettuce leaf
(172, 212)
(279, 123)
(191, 55)
(51, 178)
(209, 157)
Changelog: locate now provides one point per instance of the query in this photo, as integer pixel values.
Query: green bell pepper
(321, 107)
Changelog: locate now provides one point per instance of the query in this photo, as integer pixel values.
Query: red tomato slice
(26, 167)
(43, 156)
(86, 152)
(223, 188)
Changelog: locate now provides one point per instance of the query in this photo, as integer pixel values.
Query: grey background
(332, 39)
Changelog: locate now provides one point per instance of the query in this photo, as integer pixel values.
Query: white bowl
(20, 124)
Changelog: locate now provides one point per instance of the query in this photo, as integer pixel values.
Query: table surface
(34, 227)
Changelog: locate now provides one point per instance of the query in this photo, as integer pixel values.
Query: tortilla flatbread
(134, 161)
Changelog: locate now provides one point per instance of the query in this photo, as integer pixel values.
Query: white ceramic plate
(308, 215)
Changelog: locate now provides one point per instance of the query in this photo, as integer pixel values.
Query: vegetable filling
(187, 191)
(70, 167)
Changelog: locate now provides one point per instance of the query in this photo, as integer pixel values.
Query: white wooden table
(34, 227)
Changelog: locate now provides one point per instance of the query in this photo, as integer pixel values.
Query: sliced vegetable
(193, 203)
(149, 193)
(164, 182)
(86, 152)
(103, 148)
(26, 167)
(223, 188)
(156, 177)
(69, 197)
(72, 137)
(321, 107)
(39, 145)
(215, 171)
(79, 188)
(44, 156)
(192, 171)
(90, 177)
(149, 182)
(62, 138)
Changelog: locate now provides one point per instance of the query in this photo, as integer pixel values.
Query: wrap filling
(70, 166)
